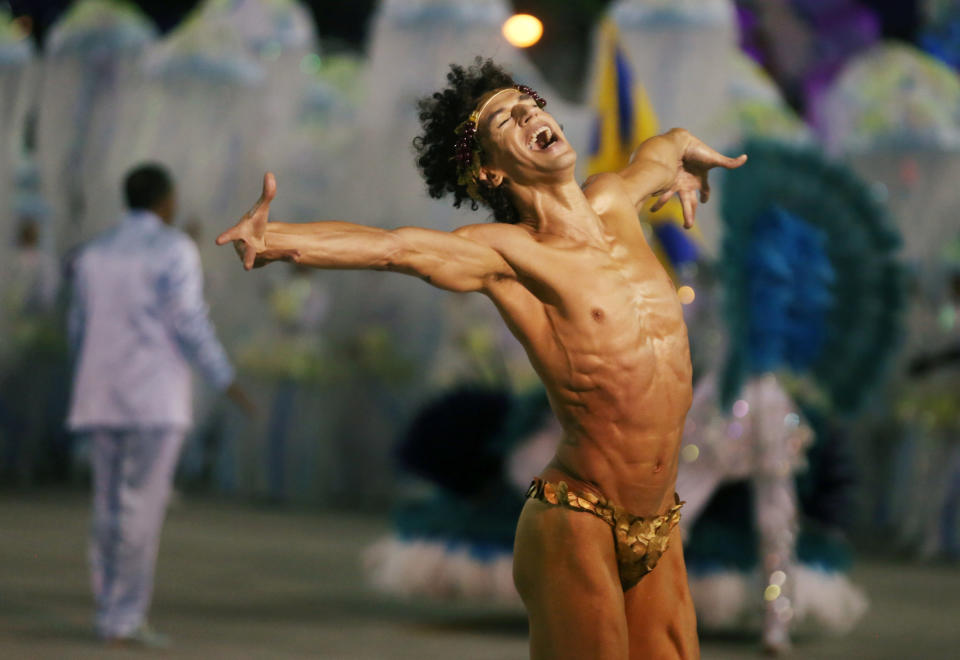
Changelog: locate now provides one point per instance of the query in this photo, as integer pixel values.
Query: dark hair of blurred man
(150, 188)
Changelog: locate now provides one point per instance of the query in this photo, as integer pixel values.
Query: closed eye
(509, 116)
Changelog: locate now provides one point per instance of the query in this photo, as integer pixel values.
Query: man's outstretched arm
(675, 163)
(446, 260)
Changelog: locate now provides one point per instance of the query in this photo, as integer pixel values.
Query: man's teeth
(535, 138)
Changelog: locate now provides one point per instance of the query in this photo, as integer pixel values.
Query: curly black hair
(440, 114)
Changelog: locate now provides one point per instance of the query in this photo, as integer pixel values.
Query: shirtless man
(572, 275)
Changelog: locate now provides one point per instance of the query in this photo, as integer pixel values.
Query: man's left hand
(691, 185)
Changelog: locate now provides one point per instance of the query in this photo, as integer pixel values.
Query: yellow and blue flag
(623, 118)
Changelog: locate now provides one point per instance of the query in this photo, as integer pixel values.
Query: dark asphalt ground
(237, 580)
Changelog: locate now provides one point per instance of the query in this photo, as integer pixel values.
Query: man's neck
(558, 209)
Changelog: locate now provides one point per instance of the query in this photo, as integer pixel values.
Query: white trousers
(132, 476)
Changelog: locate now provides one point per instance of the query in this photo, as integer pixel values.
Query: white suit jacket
(137, 322)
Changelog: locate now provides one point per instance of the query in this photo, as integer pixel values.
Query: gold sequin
(639, 542)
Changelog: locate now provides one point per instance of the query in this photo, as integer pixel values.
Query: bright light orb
(690, 453)
(686, 294)
(741, 408)
(522, 30)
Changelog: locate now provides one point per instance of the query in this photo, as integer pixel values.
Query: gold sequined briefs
(639, 543)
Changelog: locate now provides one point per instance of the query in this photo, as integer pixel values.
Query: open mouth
(542, 139)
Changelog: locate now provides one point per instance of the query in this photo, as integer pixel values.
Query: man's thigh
(661, 621)
(133, 472)
(565, 570)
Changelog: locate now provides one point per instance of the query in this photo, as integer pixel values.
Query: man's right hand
(249, 235)
(239, 396)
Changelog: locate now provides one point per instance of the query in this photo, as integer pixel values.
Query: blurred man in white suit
(137, 322)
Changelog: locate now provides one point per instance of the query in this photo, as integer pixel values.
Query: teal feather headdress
(810, 274)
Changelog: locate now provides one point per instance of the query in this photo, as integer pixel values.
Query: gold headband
(475, 115)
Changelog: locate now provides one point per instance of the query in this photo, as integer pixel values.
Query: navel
(658, 466)
(597, 314)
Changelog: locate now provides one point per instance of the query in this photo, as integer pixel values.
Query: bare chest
(616, 322)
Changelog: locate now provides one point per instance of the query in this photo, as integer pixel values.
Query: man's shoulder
(178, 237)
(165, 237)
(495, 234)
(606, 191)
(166, 246)
(127, 231)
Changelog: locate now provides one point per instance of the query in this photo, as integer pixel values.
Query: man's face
(521, 141)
